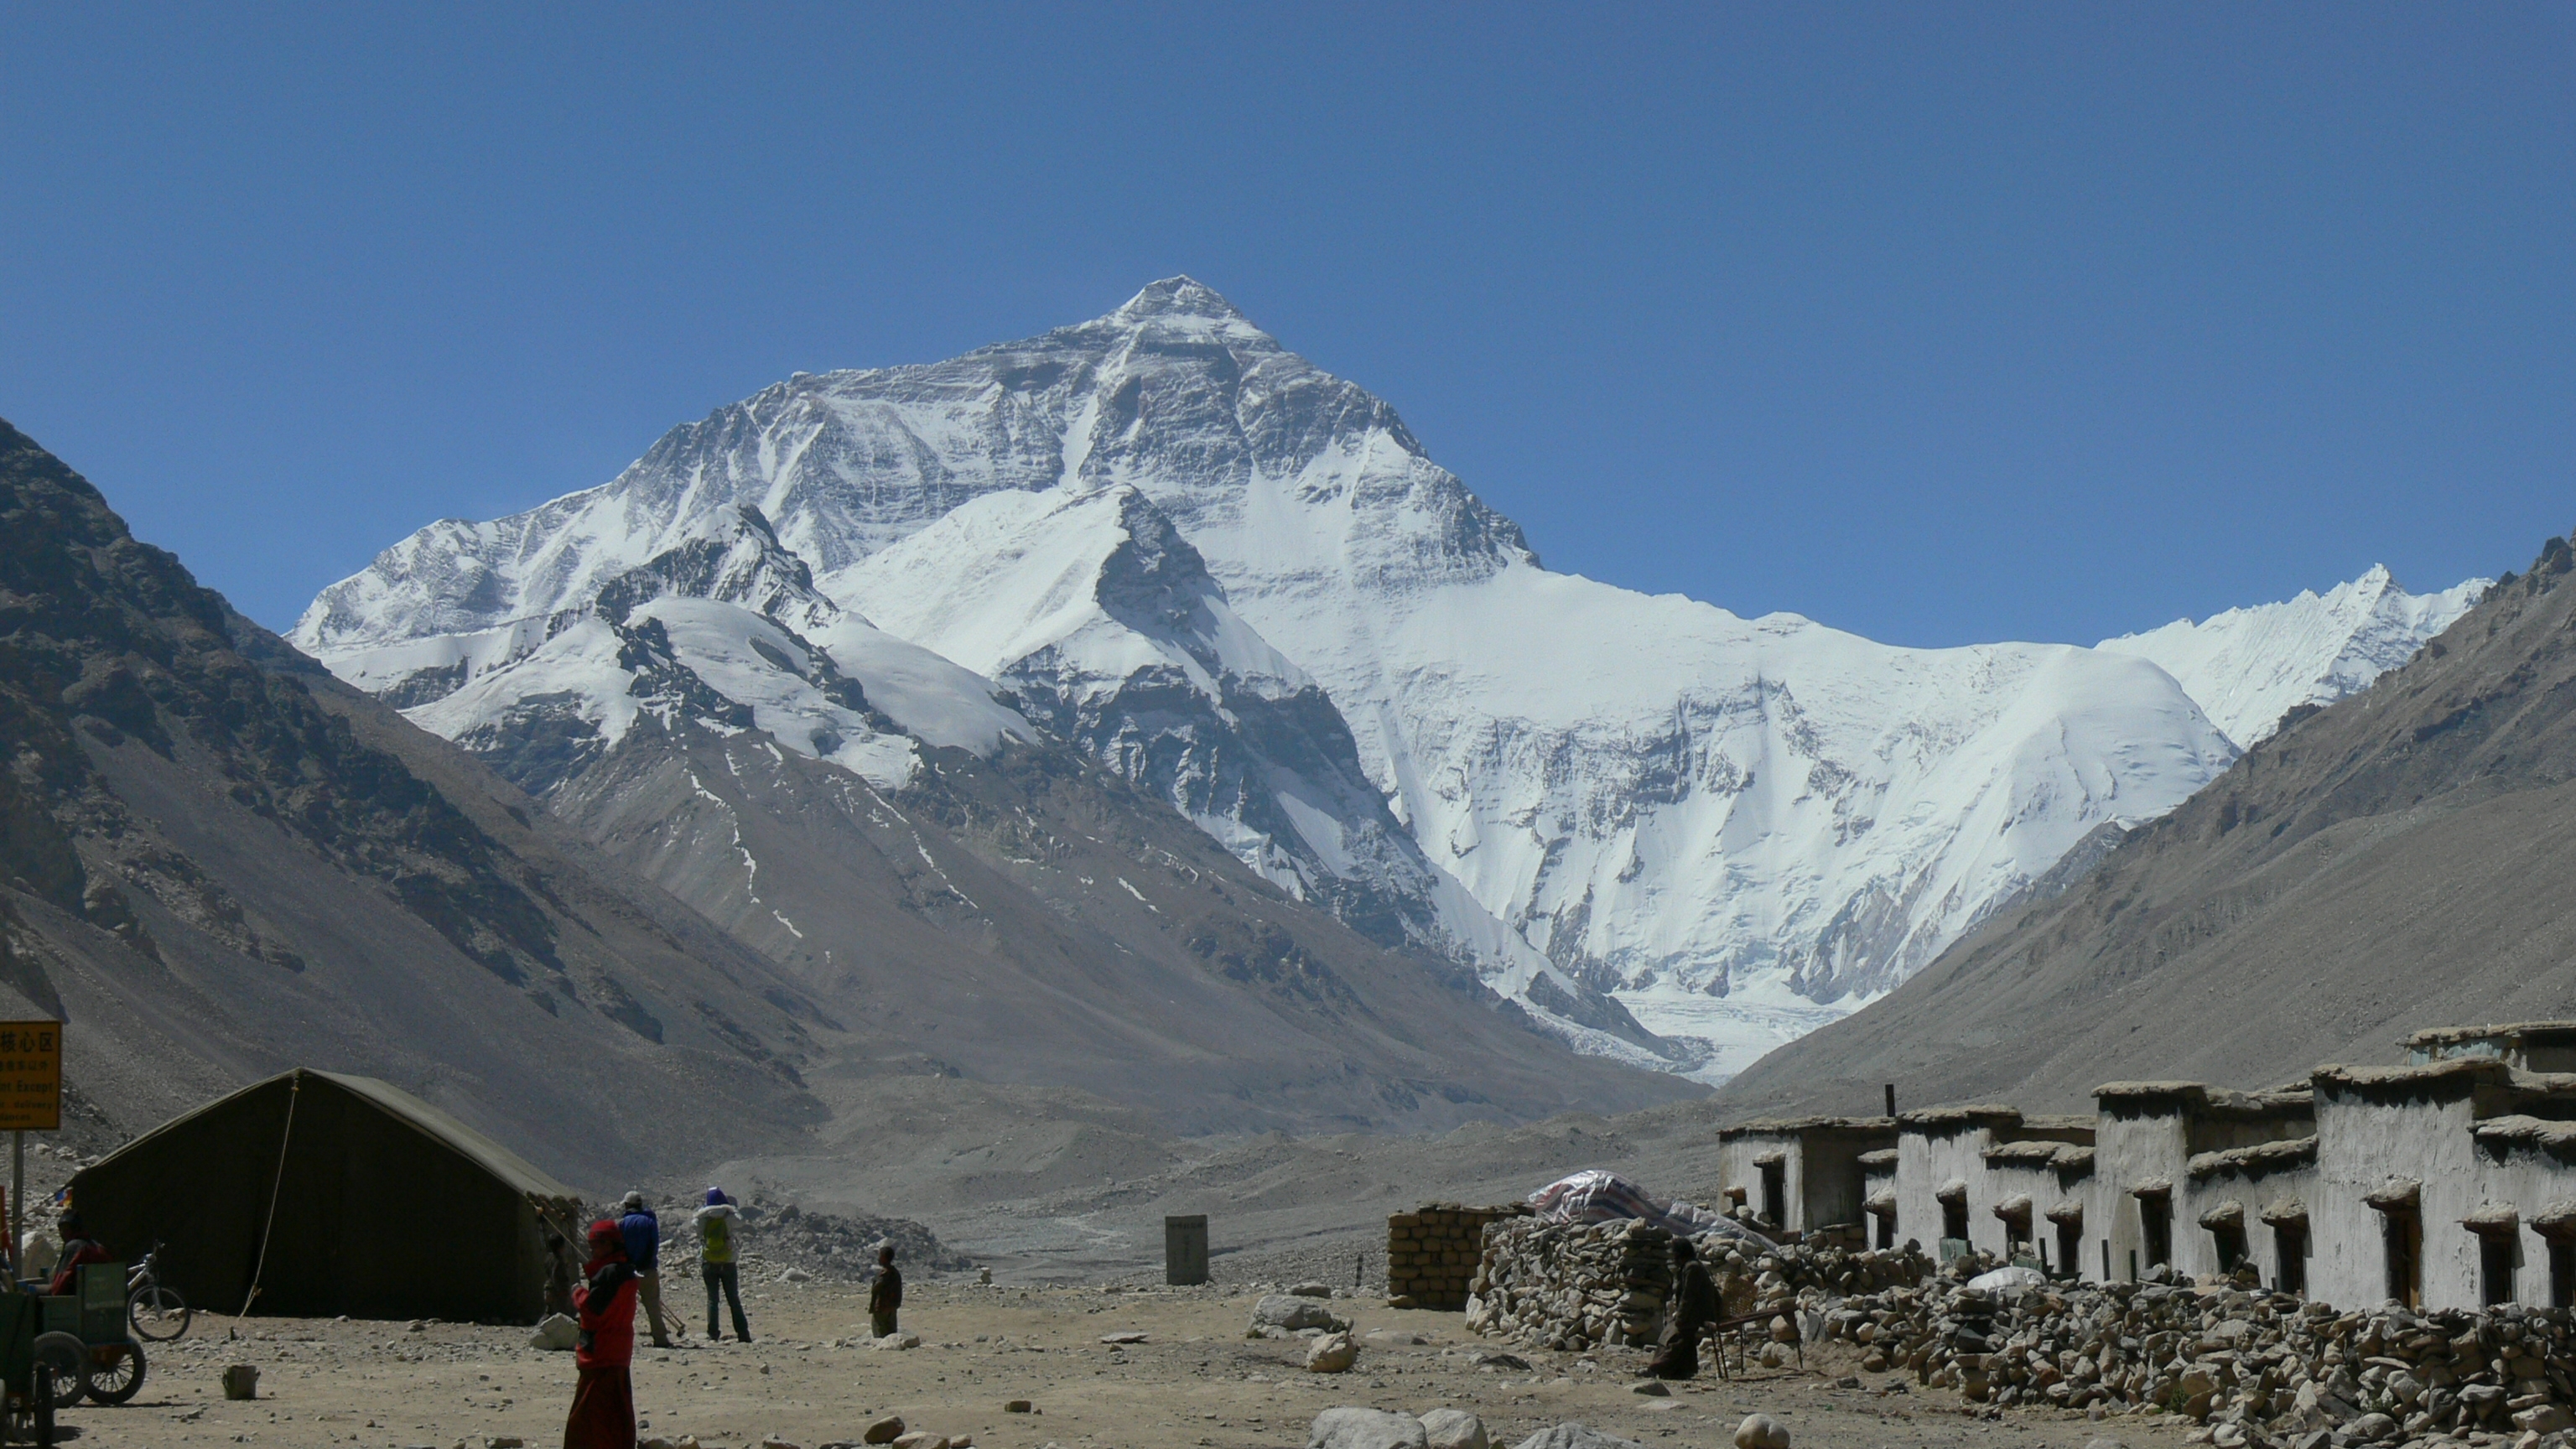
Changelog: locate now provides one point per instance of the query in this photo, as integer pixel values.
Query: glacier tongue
(1231, 575)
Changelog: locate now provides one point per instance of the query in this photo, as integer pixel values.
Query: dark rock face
(215, 861)
(2405, 857)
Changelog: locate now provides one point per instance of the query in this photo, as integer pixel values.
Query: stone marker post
(1185, 1249)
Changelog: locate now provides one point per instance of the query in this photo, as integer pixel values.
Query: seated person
(78, 1252)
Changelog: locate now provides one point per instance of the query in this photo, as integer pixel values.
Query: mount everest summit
(1672, 835)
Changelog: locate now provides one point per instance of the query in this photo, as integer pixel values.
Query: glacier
(1675, 835)
(2249, 667)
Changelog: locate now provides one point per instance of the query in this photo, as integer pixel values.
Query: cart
(84, 1337)
(26, 1385)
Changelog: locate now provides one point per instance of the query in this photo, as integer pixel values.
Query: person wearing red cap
(603, 1401)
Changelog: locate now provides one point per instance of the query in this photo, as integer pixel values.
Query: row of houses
(2447, 1182)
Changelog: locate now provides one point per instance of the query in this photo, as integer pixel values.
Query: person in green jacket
(717, 1223)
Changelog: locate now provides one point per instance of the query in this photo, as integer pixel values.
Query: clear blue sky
(1939, 323)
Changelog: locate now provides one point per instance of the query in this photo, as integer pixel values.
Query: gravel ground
(1194, 1380)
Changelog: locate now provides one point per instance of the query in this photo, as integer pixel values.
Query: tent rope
(294, 1089)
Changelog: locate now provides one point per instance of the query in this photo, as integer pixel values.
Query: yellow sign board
(31, 1076)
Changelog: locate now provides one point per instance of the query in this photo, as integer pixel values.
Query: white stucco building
(2449, 1182)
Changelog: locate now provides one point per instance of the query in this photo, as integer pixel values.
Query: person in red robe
(78, 1253)
(603, 1401)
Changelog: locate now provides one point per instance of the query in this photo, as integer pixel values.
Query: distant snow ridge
(706, 631)
(2248, 667)
(1241, 581)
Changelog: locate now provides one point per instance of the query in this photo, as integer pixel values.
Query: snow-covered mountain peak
(1179, 297)
(2248, 667)
(730, 555)
(1243, 583)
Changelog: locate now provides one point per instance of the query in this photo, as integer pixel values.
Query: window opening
(2402, 1241)
(2230, 1242)
(2155, 1218)
(2290, 1243)
(2495, 1268)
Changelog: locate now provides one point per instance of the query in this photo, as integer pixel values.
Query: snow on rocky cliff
(2248, 667)
(1226, 573)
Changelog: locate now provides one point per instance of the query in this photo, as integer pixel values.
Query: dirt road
(1195, 1380)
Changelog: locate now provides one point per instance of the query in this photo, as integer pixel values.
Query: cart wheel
(115, 1372)
(158, 1312)
(67, 1358)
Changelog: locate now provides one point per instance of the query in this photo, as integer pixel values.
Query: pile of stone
(783, 1240)
(1432, 1252)
(1574, 1286)
(2258, 1368)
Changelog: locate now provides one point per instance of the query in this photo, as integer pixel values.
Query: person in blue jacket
(643, 1234)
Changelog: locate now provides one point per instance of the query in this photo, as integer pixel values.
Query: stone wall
(1432, 1252)
(1574, 1286)
(2258, 1367)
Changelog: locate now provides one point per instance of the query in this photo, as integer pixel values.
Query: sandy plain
(1195, 1382)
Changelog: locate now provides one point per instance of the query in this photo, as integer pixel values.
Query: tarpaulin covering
(1595, 1196)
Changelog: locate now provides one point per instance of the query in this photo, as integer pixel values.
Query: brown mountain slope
(2403, 858)
(1036, 920)
(213, 867)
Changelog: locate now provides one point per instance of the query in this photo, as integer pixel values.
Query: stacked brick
(1432, 1252)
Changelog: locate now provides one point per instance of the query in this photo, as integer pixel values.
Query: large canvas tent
(367, 1201)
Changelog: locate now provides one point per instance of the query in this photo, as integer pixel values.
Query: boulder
(921, 1439)
(1311, 1290)
(2545, 1419)
(883, 1431)
(1288, 1312)
(2371, 1428)
(1358, 1428)
(555, 1333)
(1761, 1431)
(1453, 1429)
(1332, 1354)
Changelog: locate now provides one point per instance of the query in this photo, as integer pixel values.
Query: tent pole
(294, 1089)
(17, 1199)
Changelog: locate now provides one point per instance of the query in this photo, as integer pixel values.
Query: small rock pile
(1573, 1286)
(1432, 1252)
(2258, 1368)
(776, 1240)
